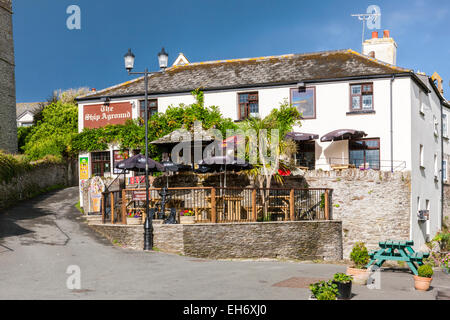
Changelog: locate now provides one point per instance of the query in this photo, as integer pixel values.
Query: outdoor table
(397, 251)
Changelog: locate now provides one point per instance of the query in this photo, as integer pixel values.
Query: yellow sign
(84, 168)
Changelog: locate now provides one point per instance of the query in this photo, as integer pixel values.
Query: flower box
(187, 219)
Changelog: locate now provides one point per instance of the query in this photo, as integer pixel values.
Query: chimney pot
(386, 34)
(374, 34)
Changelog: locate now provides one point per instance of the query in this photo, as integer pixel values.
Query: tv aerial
(369, 17)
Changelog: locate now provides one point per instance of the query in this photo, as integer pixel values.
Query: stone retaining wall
(303, 240)
(372, 205)
(32, 182)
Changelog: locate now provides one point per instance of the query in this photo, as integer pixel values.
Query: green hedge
(14, 165)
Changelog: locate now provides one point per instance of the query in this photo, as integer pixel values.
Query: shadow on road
(26, 210)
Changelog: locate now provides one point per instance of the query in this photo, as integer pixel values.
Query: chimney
(93, 89)
(439, 82)
(383, 49)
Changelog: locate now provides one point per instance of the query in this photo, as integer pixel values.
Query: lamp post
(163, 58)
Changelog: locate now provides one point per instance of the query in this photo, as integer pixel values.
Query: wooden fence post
(327, 205)
(213, 206)
(112, 207)
(292, 204)
(254, 212)
(103, 207)
(124, 207)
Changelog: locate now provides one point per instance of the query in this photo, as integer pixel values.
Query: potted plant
(344, 285)
(360, 258)
(423, 280)
(445, 263)
(323, 290)
(187, 217)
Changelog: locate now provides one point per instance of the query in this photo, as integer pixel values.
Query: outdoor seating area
(397, 251)
(218, 204)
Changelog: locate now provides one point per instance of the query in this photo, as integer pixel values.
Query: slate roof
(184, 135)
(253, 72)
(21, 108)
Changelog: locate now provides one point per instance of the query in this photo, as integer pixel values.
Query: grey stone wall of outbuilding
(372, 205)
(8, 124)
(303, 240)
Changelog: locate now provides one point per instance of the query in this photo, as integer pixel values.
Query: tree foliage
(53, 133)
(131, 135)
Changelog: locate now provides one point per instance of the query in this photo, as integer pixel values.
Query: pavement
(41, 238)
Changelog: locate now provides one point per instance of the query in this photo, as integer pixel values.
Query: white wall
(424, 183)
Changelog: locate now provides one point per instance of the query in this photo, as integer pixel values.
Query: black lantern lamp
(163, 58)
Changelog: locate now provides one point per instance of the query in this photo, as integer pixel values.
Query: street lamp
(163, 58)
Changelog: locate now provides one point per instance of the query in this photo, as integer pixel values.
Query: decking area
(218, 205)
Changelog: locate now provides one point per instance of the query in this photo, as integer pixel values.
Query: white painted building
(396, 112)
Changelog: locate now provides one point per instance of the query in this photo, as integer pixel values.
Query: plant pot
(345, 290)
(421, 283)
(360, 276)
(134, 221)
(187, 219)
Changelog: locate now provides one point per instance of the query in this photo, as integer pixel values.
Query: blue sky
(49, 56)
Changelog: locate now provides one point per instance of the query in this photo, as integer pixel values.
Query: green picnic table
(397, 251)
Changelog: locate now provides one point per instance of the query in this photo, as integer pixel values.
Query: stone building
(8, 128)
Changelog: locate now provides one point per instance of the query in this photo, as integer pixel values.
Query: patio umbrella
(301, 136)
(137, 163)
(222, 164)
(170, 166)
(343, 134)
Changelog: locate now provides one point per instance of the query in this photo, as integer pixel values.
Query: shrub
(342, 278)
(324, 290)
(443, 238)
(425, 271)
(360, 255)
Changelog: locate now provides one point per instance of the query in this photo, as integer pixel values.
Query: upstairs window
(152, 106)
(436, 126)
(421, 163)
(444, 125)
(444, 170)
(248, 105)
(361, 97)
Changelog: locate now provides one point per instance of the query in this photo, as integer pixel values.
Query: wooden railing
(222, 205)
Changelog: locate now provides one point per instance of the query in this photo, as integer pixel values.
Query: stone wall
(304, 240)
(372, 205)
(8, 124)
(446, 208)
(32, 182)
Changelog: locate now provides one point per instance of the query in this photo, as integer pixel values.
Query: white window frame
(436, 169)
(421, 103)
(436, 125)
(421, 157)
(444, 171)
(444, 125)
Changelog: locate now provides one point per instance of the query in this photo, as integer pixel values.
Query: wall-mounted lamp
(106, 101)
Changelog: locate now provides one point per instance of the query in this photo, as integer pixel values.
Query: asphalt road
(41, 238)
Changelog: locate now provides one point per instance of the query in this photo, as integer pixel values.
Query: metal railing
(220, 205)
(361, 164)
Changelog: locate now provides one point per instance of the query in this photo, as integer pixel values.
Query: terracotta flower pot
(421, 283)
(360, 276)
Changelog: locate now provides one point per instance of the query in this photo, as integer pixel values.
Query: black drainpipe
(392, 130)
